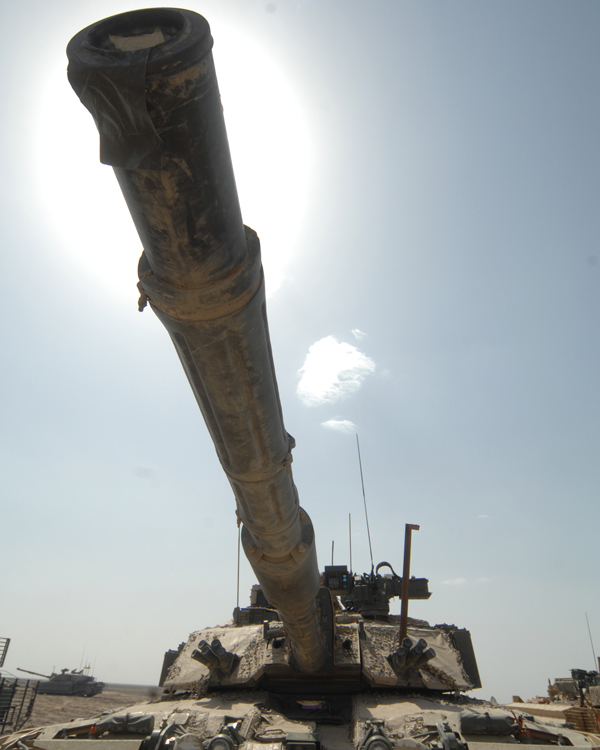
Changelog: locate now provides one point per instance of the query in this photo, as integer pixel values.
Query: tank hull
(270, 720)
(86, 688)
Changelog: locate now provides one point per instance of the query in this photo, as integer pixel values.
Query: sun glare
(84, 208)
(269, 145)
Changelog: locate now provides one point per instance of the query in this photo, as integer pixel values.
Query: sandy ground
(55, 709)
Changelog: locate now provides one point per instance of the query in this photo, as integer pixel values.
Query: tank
(148, 79)
(65, 682)
(316, 660)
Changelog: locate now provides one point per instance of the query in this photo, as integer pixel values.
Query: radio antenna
(362, 481)
(592, 642)
(332, 547)
(238, 565)
(350, 537)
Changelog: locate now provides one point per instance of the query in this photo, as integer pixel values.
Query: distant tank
(65, 682)
(316, 661)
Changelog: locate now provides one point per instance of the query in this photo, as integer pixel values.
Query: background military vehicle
(65, 682)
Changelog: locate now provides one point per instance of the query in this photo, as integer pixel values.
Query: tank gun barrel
(38, 674)
(148, 79)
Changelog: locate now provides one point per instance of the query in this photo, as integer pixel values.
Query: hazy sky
(424, 177)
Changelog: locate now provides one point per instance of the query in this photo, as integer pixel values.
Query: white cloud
(358, 334)
(332, 369)
(341, 425)
(455, 582)
(483, 516)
